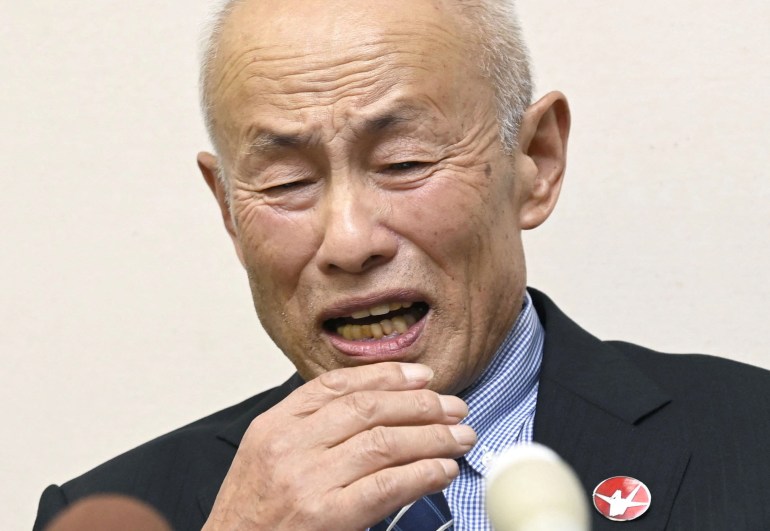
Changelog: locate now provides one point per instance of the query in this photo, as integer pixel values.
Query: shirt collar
(505, 392)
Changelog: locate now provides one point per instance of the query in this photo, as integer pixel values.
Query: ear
(209, 167)
(541, 158)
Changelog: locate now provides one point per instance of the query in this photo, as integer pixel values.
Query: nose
(356, 237)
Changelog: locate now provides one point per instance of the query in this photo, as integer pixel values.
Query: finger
(354, 413)
(380, 448)
(391, 376)
(376, 496)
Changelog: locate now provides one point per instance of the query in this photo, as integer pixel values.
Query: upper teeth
(381, 309)
(385, 328)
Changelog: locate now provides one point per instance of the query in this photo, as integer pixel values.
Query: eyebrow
(402, 112)
(390, 120)
(265, 141)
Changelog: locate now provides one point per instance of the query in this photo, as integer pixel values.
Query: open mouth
(386, 320)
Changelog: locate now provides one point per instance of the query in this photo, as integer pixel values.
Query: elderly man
(376, 164)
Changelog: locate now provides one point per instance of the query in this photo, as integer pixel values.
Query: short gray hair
(504, 60)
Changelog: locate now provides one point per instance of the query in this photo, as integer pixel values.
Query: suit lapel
(231, 437)
(606, 418)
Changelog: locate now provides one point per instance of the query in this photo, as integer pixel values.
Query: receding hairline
(490, 25)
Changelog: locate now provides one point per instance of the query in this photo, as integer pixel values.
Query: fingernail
(463, 434)
(414, 372)
(453, 407)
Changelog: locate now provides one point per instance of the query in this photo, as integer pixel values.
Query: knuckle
(386, 487)
(337, 381)
(312, 510)
(378, 444)
(439, 435)
(264, 422)
(431, 473)
(275, 447)
(425, 403)
(261, 441)
(363, 405)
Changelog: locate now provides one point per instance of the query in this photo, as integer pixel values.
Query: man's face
(373, 207)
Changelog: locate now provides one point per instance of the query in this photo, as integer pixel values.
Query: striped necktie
(429, 513)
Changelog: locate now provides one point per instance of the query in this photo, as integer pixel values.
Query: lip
(395, 348)
(346, 307)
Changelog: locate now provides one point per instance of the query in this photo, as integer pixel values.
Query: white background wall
(124, 312)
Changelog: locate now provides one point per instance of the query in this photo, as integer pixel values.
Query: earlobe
(209, 167)
(542, 155)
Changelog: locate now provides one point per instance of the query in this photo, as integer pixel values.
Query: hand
(344, 451)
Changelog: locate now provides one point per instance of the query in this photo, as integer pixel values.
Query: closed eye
(406, 165)
(287, 187)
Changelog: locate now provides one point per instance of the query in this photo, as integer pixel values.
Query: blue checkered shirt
(502, 411)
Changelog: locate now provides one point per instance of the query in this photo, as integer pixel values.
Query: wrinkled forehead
(296, 54)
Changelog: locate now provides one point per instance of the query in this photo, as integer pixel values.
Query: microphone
(530, 488)
(109, 512)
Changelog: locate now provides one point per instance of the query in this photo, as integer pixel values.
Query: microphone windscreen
(111, 512)
(530, 488)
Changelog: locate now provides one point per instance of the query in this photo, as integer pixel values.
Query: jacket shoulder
(170, 471)
(699, 377)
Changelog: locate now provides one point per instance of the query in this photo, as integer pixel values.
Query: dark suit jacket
(695, 429)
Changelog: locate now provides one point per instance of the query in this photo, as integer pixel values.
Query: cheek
(275, 246)
(454, 222)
